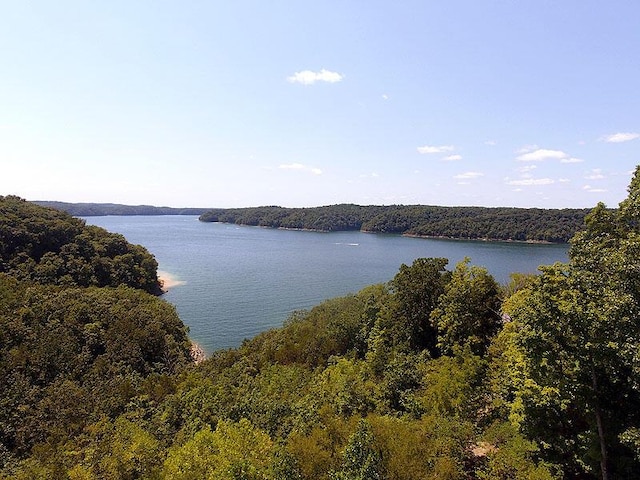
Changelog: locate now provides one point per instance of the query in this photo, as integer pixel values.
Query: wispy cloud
(595, 174)
(469, 175)
(434, 149)
(491, 143)
(620, 137)
(452, 158)
(525, 170)
(370, 175)
(531, 181)
(542, 154)
(300, 167)
(571, 160)
(308, 77)
(591, 189)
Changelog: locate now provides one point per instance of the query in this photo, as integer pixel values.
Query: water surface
(236, 281)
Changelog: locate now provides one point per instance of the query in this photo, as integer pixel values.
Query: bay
(232, 282)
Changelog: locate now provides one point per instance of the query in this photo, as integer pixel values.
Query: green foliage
(232, 451)
(453, 387)
(432, 376)
(509, 455)
(51, 247)
(467, 312)
(416, 290)
(580, 334)
(511, 224)
(69, 356)
(361, 460)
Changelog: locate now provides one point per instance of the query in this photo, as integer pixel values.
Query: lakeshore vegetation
(441, 373)
(475, 223)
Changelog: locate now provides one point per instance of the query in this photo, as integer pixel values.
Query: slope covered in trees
(51, 247)
(439, 374)
(509, 224)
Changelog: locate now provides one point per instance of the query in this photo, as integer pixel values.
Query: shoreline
(402, 234)
(168, 281)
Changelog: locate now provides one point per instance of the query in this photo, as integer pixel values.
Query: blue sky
(299, 103)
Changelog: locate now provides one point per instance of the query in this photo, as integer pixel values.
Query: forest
(441, 373)
(476, 223)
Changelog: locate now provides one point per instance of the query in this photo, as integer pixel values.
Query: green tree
(581, 333)
(232, 451)
(416, 290)
(361, 459)
(468, 312)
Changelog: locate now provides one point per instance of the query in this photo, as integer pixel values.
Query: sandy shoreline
(168, 281)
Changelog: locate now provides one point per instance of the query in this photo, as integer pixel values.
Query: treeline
(508, 224)
(439, 374)
(474, 223)
(102, 209)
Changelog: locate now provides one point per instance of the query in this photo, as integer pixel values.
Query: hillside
(471, 223)
(440, 373)
(477, 223)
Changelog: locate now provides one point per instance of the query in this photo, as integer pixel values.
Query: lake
(233, 282)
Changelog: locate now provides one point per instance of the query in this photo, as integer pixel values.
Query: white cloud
(385, 96)
(527, 168)
(571, 160)
(307, 77)
(433, 149)
(292, 166)
(620, 137)
(300, 167)
(452, 158)
(531, 181)
(466, 175)
(491, 143)
(591, 189)
(596, 174)
(527, 149)
(541, 154)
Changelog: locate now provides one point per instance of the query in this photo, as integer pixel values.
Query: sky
(511, 103)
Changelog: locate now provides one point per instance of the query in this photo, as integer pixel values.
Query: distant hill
(102, 209)
(475, 223)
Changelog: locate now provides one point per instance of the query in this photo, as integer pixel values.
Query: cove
(232, 282)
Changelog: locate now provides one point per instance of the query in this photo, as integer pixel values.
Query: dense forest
(477, 223)
(509, 224)
(441, 373)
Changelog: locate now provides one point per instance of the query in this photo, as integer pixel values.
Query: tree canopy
(52, 247)
(436, 374)
(475, 223)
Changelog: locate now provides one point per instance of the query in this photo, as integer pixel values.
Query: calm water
(239, 281)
